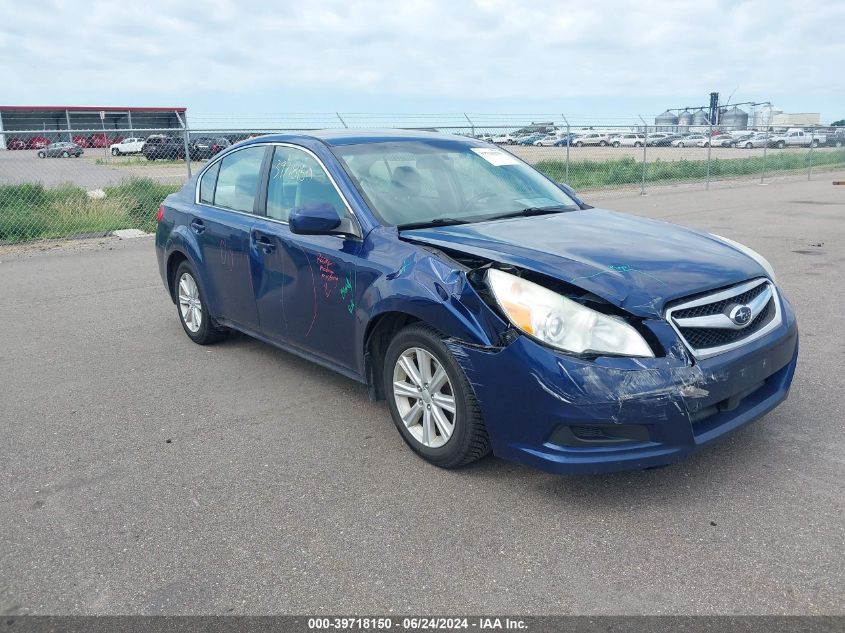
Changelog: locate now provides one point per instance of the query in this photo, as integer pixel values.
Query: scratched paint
(227, 256)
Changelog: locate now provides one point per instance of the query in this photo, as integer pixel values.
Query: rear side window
(209, 179)
(237, 180)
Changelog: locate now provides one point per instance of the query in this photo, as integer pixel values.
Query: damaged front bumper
(563, 414)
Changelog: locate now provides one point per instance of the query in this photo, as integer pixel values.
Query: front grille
(706, 323)
(711, 337)
(719, 306)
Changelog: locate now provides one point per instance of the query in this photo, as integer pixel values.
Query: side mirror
(320, 219)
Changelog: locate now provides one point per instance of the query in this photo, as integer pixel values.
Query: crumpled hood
(635, 263)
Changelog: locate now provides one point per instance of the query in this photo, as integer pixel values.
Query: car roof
(354, 137)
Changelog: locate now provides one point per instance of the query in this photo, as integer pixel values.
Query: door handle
(198, 226)
(264, 242)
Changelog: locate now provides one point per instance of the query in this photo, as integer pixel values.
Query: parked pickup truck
(798, 138)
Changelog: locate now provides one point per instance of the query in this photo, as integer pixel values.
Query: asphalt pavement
(144, 474)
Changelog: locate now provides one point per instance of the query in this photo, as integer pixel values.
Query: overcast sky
(581, 58)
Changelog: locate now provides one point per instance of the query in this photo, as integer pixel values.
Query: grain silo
(666, 122)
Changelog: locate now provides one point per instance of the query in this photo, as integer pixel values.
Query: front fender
(429, 289)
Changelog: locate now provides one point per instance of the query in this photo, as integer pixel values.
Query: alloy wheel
(190, 305)
(424, 397)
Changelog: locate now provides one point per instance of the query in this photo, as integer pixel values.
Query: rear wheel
(579, 144)
(431, 401)
(42, 155)
(115, 151)
(681, 144)
(814, 143)
(638, 144)
(749, 145)
(603, 143)
(616, 143)
(65, 155)
(192, 309)
(781, 144)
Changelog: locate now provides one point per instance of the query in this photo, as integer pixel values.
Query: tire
(681, 145)
(781, 144)
(42, 154)
(617, 144)
(191, 307)
(151, 157)
(579, 144)
(603, 143)
(638, 144)
(115, 151)
(65, 155)
(749, 146)
(838, 143)
(814, 143)
(467, 440)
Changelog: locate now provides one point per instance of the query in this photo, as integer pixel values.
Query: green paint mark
(619, 268)
(347, 287)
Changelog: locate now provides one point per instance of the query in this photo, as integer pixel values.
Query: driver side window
(298, 180)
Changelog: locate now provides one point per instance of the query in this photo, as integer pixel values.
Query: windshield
(416, 182)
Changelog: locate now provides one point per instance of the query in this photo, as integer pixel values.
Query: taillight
(160, 214)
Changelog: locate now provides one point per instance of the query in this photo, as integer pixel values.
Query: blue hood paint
(635, 263)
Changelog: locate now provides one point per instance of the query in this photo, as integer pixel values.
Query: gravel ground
(144, 474)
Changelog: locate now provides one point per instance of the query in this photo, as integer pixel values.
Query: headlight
(757, 257)
(561, 322)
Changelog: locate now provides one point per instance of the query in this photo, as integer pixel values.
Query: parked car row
(793, 137)
(159, 146)
(153, 147)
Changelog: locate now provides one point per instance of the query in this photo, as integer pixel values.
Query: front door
(305, 285)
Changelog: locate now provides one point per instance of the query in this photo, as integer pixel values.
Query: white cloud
(233, 54)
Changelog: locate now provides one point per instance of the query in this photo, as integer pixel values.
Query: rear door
(228, 194)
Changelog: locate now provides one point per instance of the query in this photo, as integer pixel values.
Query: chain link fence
(88, 182)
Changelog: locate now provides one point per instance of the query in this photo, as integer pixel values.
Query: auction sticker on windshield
(495, 156)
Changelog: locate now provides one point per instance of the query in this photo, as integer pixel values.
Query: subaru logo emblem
(741, 315)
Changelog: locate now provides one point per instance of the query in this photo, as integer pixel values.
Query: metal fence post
(709, 147)
(568, 143)
(766, 144)
(341, 119)
(810, 153)
(471, 124)
(185, 134)
(645, 143)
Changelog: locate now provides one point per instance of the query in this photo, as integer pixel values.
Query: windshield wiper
(528, 211)
(432, 222)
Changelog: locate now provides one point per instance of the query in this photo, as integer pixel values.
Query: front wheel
(603, 143)
(65, 155)
(638, 144)
(781, 144)
(579, 144)
(431, 401)
(838, 143)
(681, 145)
(814, 143)
(42, 155)
(616, 144)
(192, 309)
(749, 145)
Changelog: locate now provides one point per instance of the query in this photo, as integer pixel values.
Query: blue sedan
(489, 306)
